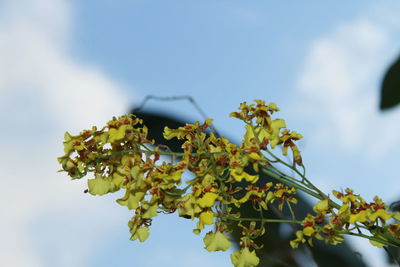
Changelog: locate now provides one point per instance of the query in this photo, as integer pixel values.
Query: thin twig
(175, 98)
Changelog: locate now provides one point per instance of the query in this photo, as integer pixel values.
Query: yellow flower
(349, 196)
(376, 244)
(131, 199)
(255, 156)
(206, 217)
(142, 234)
(239, 176)
(151, 211)
(207, 200)
(309, 230)
(299, 239)
(361, 216)
(276, 126)
(384, 215)
(394, 230)
(117, 179)
(259, 131)
(216, 241)
(170, 133)
(175, 176)
(272, 134)
(283, 193)
(68, 143)
(100, 186)
(331, 236)
(71, 166)
(182, 132)
(322, 207)
(272, 107)
(396, 216)
(252, 193)
(188, 207)
(244, 258)
(344, 209)
(117, 134)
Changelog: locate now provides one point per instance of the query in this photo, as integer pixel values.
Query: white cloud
(341, 77)
(44, 92)
(337, 92)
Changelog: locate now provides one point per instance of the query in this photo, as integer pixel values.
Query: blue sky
(68, 65)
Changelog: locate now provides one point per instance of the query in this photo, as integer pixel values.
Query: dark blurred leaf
(390, 92)
(276, 251)
(156, 123)
(395, 206)
(393, 254)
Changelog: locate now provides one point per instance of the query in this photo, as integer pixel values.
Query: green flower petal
(117, 134)
(150, 212)
(131, 200)
(142, 234)
(99, 186)
(216, 242)
(244, 258)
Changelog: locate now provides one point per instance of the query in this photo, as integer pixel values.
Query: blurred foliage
(390, 91)
(392, 252)
(276, 251)
(390, 97)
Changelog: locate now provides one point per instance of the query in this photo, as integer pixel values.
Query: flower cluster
(213, 177)
(265, 130)
(332, 221)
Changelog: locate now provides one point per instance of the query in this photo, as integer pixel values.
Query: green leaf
(390, 92)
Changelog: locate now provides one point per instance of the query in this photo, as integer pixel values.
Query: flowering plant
(224, 176)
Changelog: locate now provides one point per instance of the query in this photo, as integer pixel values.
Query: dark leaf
(156, 123)
(390, 92)
(393, 253)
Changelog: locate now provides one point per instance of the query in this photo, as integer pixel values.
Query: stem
(174, 98)
(129, 151)
(291, 210)
(284, 175)
(304, 170)
(391, 238)
(284, 163)
(221, 182)
(260, 220)
(289, 182)
(384, 242)
(191, 183)
(309, 184)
